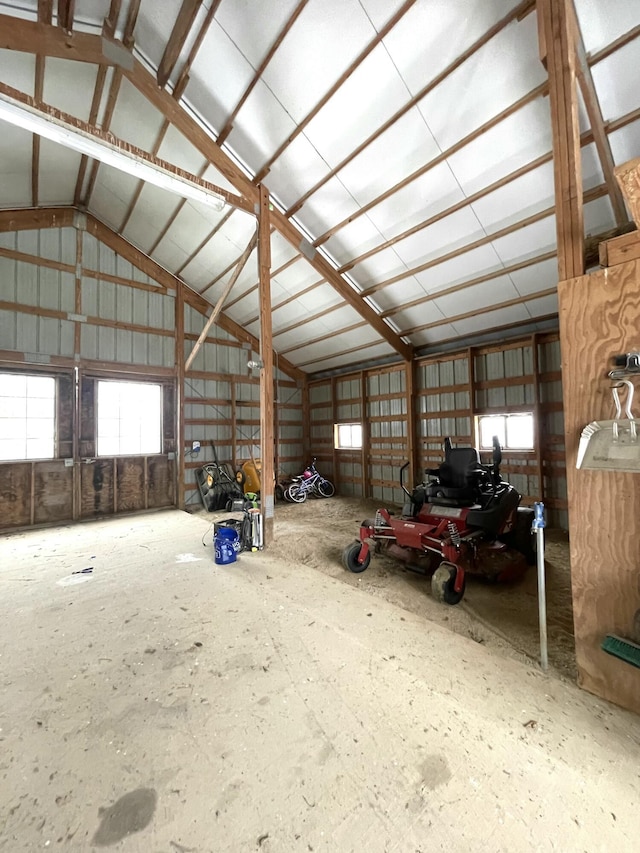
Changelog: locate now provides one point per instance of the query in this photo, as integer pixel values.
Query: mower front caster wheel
(442, 585)
(350, 558)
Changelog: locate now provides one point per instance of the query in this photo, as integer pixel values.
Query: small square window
(347, 436)
(514, 431)
(27, 416)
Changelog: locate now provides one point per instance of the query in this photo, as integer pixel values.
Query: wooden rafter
(300, 126)
(558, 54)
(206, 239)
(182, 26)
(515, 14)
(228, 127)
(71, 123)
(242, 260)
(47, 40)
(310, 341)
(538, 92)
(596, 120)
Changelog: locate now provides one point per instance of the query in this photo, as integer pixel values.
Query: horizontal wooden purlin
(464, 285)
(207, 401)
(36, 218)
(504, 382)
(127, 282)
(254, 287)
(343, 352)
(206, 240)
(461, 388)
(539, 91)
(443, 413)
(46, 40)
(508, 327)
(321, 338)
(35, 260)
(621, 41)
(306, 320)
(509, 303)
(288, 300)
(390, 419)
(430, 86)
(72, 124)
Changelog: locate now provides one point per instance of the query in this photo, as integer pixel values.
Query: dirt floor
(502, 617)
(160, 703)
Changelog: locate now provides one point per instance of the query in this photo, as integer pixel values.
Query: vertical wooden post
(365, 453)
(412, 433)
(306, 422)
(538, 432)
(471, 374)
(179, 380)
(556, 37)
(266, 373)
(334, 421)
(234, 424)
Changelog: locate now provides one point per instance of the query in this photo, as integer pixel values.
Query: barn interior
(244, 240)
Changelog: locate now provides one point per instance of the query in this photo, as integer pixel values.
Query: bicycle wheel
(296, 494)
(326, 489)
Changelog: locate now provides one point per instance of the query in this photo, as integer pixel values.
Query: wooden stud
(180, 392)
(538, 431)
(185, 19)
(77, 327)
(364, 452)
(557, 49)
(410, 369)
(218, 307)
(66, 11)
(266, 373)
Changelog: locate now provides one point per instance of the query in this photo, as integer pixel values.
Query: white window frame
(27, 416)
(505, 431)
(125, 428)
(340, 429)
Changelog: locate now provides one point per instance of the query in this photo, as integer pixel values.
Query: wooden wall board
(160, 482)
(130, 486)
(620, 249)
(15, 491)
(600, 317)
(96, 488)
(53, 491)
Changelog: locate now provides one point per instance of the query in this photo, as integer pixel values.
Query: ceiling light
(255, 364)
(53, 128)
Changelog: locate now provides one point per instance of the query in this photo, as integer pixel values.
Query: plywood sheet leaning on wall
(628, 176)
(599, 318)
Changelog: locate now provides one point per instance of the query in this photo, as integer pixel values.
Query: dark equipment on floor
(218, 485)
(464, 519)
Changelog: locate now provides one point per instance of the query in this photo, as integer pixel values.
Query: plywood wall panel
(96, 485)
(160, 482)
(130, 484)
(600, 317)
(53, 492)
(15, 493)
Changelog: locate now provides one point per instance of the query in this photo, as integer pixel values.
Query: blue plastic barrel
(225, 544)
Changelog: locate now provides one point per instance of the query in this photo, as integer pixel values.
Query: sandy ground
(502, 617)
(164, 704)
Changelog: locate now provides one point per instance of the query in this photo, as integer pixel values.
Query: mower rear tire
(442, 588)
(350, 558)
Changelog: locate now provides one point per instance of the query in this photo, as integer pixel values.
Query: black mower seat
(457, 478)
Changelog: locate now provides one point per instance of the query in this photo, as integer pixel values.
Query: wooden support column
(415, 473)
(556, 36)
(266, 373)
(334, 420)
(538, 432)
(179, 457)
(306, 423)
(366, 446)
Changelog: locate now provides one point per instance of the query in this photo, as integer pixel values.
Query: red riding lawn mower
(463, 520)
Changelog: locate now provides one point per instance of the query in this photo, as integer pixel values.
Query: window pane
(356, 435)
(491, 425)
(344, 435)
(520, 431)
(27, 416)
(129, 418)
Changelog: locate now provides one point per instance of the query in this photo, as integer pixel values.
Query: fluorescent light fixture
(57, 130)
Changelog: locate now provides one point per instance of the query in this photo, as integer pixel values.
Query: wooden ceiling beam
(591, 195)
(291, 298)
(539, 92)
(272, 275)
(596, 119)
(320, 338)
(558, 53)
(228, 127)
(515, 14)
(341, 353)
(34, 219)
(48, 40)
(181, 28)
(621, 41)
(302, 124)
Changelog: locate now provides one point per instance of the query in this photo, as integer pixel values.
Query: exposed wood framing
(180, 393)
(302, 124)
(32, 219)
(228, 126)
(596, 119)
(185, 19)
(267, 474)
(513, 15)
(47, 40)
(66, 11)
(558, 54)
(538, 432)
(410, 368)
(218, 306)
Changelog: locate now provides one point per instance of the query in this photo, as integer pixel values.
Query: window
(347, 436)
(27, 416)
(515, 432)
(129, 418)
